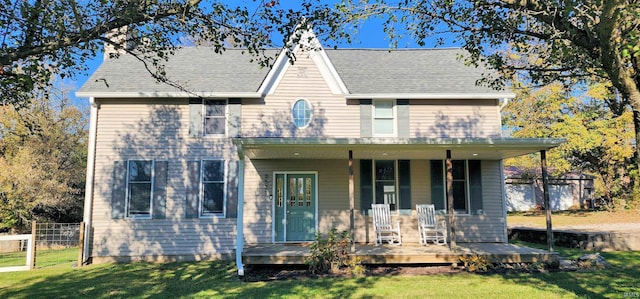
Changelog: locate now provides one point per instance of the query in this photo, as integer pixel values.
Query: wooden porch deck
(411, 253)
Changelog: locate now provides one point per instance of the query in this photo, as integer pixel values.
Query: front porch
(407, 253)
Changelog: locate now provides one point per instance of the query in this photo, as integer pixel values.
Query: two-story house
(254, 155)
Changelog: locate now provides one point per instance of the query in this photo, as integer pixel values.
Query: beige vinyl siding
(332, 117)
(156, 130)
(454, 118)
(332, 190)
(490, 227)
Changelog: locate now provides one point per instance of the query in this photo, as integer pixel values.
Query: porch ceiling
(392, 148)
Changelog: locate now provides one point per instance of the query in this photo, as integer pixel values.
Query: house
(253, 155)
(524, 190)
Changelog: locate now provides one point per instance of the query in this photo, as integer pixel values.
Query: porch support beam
(545, 193)
(352, 204)
(451, 219)
(240, 215)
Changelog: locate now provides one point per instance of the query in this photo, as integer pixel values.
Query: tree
(43, 38)
(596, 144)
(42, 163)
(540, 41)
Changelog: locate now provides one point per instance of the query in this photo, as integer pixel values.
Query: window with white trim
(385, 183)
(139, 188)
(460, 186)
(384, 118)
(466, 186)
(215, 117)
(301, 113)
(213, 195)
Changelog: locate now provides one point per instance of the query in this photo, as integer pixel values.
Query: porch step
(407, 253)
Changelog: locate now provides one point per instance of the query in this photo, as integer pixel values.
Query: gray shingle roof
(196, 69)
(364, 71)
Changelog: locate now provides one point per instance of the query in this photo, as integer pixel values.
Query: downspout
(240, 216)
(91, 166)
(505, 101)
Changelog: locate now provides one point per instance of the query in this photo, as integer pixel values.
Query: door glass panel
(292, 194)
(279, 191)
(300, 192)
(308, 194)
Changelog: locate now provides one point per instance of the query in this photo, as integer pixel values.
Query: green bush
(475, 263)
(331, 254)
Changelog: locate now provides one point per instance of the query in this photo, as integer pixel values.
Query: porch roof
(392, 148)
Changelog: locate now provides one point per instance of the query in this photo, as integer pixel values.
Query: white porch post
(545, 192)
(240, 216)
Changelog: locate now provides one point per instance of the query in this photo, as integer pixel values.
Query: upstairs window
(215, 117)
(384, 118)
(301, 113)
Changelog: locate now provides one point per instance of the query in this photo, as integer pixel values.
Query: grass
(217, 280)
(578, 217)
(10, 259)
(44, 258)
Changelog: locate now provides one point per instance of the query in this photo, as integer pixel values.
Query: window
(213, 188)
(385, 183)
(466, 185)
(301, 113)
(215, 118)
(460, 189)
(139, 189)
(384, 122)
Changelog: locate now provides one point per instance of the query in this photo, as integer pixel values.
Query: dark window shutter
(402, 107)
(119, 189)
(159, 190)
(404, 182)
(366, 120)
(366, 185)
(475, 185)
(235, 117)
(195, 118)
(437, 184)
(232, 190)
(193, 189)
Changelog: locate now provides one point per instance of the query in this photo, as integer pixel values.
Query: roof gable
(308, 45)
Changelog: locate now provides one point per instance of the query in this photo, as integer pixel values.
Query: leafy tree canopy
(42, 162)
(42, 38)
(599, 141)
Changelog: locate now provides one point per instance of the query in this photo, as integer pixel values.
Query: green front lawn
(218, 280)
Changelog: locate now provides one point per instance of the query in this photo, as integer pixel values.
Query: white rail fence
(48, 245)
(16, 252)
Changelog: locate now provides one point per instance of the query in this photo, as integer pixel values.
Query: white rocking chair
(382, 226)
(430, 229)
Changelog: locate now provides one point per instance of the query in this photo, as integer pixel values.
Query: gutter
(91, 166)
(505, 101)
(240, 213)
(166, 94)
